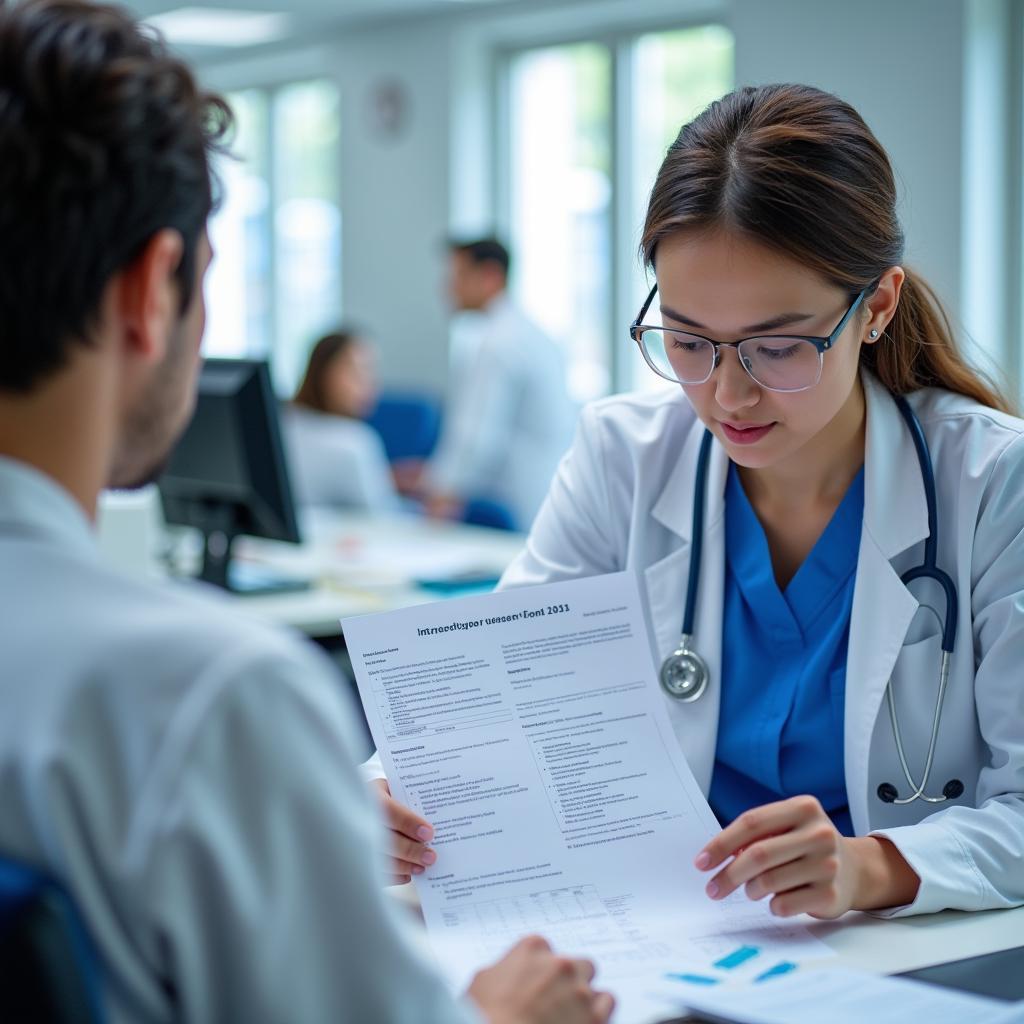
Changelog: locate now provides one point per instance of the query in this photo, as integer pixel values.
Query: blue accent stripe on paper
(773, 972)
(737, 957)
(693, 979)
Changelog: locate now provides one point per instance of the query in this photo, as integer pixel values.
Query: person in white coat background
(509, 417)
(783, 310)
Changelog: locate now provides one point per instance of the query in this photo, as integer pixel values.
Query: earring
(872, 333)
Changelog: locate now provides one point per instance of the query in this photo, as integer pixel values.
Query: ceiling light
(212, 26)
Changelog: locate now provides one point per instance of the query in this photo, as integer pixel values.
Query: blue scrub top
(780, 728)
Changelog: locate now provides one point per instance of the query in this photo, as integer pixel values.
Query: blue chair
(48, 969)
(486, 512)
(409, 423)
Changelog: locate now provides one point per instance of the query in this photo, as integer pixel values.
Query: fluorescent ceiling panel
(212, 26)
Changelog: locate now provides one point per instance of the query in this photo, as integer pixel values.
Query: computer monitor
(227, 475)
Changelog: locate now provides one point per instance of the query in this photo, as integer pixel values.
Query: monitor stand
(239, 577)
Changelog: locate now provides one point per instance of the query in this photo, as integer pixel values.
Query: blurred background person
(508, 418)
(335, 458)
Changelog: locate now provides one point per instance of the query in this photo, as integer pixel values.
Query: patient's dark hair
(105, 139)
(798, 171)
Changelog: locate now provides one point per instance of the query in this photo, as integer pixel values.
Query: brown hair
(312, 392)
(797, 170)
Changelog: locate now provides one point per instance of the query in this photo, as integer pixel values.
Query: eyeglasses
(778, 362)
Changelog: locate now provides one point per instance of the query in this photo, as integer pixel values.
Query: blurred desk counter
(357, 564)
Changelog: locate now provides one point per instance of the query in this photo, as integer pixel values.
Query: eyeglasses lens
(778, 363)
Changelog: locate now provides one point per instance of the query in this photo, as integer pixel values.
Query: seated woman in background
(334, 457)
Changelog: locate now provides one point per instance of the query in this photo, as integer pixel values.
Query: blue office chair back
(409, 423)
(48, 968)
(486, 512)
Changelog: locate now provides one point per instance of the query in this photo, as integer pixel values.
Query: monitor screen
(227, 475)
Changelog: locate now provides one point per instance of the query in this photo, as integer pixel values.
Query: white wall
(395, 199)
(901, 66)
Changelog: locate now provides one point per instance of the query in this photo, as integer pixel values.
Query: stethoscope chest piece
(684, 675)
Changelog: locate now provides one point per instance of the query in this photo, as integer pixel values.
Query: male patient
(187, 774)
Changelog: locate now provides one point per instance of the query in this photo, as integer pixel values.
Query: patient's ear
(148, 299)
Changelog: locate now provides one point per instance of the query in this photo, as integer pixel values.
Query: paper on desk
(527, 726)
(847, 997)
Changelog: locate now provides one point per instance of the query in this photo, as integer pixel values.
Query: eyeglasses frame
(822, 344)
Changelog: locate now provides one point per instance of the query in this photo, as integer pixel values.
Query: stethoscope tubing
(929, 568)
(697, 532)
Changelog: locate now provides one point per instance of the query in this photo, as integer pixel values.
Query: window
(275, 282)
(675, 75)
(237, 296)
(588, 126)
(307, 223)
(561, 201)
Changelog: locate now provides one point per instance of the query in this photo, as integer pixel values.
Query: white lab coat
(188, 774)
(623, 498)
(509, 418)
(337, 462)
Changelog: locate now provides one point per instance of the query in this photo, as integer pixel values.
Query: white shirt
(623, 498)
(509, 418)
(188, 775)
(337, 461)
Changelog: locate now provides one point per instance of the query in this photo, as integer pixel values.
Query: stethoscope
(684, 673)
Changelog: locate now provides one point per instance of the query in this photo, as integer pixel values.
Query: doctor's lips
(745, 433)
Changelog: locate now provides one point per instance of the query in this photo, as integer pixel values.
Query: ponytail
(919, 350)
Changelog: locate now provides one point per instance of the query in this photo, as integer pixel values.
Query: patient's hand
(531, 985)
(409, 837)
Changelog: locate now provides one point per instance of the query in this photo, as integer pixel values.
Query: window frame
(619, 41)
(269, 89)
(1015, 171)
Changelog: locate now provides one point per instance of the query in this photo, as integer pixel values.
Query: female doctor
(849, 770)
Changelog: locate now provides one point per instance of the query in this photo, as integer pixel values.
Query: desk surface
(360, 565)
(885, 946)
(998, 975)
(909, 943)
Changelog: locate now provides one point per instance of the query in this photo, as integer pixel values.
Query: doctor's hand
(530, 985)
(409, 834)
(791, 851)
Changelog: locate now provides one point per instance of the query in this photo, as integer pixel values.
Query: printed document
(528, 727)
(846, 997)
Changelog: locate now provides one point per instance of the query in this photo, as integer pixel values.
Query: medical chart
(528, 727)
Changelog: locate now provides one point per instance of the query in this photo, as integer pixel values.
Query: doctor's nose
(734, 387)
